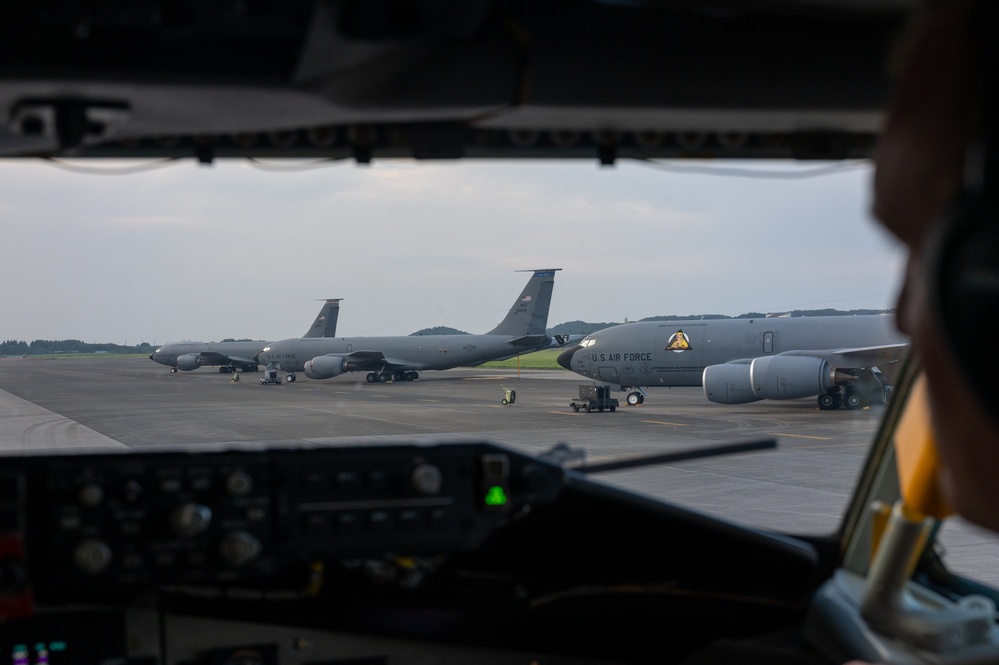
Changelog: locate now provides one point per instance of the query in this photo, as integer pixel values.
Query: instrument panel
(100, 523)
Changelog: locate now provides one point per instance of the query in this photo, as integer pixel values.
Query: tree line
(13, 347)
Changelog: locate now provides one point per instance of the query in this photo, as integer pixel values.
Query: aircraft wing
(216, 358)
(868, 356)
(375, 360)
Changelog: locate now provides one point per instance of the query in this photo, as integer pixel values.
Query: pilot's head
(933, 118)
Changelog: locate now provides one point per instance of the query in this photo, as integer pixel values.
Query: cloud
(235, 251)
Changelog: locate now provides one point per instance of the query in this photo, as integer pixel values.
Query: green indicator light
(57, 646)
(495, 496)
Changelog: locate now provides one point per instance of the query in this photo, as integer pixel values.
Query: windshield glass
(131, 256)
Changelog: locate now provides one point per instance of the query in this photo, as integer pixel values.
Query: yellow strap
(917, 458)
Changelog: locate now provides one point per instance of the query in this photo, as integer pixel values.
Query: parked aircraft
(230, 356)
(837, 358)
(402, 357)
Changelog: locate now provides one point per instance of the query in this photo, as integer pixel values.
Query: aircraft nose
(152, 356)
(565, 358)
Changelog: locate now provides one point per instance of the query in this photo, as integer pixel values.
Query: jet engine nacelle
(790, 377)
(325, 367)
(189, 361)
(729, 383)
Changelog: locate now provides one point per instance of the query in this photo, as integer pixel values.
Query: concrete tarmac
(802, 487)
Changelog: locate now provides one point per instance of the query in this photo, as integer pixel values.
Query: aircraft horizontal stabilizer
(529, 340)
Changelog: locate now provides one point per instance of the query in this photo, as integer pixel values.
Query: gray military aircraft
(230, 356)
(844, 360)
(401, 358)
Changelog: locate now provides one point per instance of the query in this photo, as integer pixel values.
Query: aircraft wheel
(412, 376)
(828, 402)
(504, 401)
(382, 378)
(854, 401)
(371, 377)
(173, 370)
(634, 399)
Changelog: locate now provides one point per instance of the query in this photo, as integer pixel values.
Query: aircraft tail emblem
(678, 342)
(529, 314)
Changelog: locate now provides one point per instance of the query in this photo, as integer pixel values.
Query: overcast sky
(236, 250)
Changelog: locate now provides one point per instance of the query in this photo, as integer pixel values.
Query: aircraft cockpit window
(968, 551)
(915, 578)
(954, 546)
(709, 219)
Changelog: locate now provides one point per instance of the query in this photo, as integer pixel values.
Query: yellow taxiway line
(801, 436)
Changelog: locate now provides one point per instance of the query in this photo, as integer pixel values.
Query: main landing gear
(383, 377)
(635, 398)
(229, 369)
(850, 399)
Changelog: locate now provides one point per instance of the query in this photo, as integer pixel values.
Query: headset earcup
(967, 293)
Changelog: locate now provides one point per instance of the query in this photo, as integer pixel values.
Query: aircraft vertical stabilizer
(325, 323)
(529, 314)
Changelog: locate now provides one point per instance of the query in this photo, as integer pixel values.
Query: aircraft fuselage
(675, 353)
(209, 353)
(417, 352)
